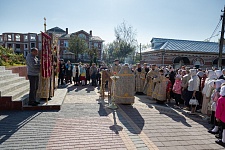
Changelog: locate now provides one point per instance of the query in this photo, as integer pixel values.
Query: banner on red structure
(46, 56)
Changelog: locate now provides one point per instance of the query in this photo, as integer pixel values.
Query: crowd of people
(79, 73)
(192, 89)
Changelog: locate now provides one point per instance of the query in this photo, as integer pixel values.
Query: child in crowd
(82, 75)
(177, 90)
(220, 114)
(214, 98)
(168, 88)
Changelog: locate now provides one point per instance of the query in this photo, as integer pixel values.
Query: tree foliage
(124, 44)
(9, 58)
(77, 46)
(93, 54)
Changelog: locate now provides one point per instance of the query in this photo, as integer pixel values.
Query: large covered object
(125, 86)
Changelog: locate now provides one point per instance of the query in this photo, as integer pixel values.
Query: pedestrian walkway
(85, 122)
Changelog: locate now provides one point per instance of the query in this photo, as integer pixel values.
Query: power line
(208, 39)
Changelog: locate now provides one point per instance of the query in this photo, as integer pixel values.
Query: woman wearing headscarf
(207, 91)
(214, 98)
(193, 88)
(218, 73)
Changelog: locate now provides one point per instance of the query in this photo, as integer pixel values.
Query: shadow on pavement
(173, 115)
(168, 110)
(12, 121)
(116, 128)
(88, 88)
(135, 117)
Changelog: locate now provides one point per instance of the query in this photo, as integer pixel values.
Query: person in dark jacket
(69, 68)
(33, 70)
(62, 69)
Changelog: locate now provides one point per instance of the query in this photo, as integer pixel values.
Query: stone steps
(2, 68)
(14, 93)
(9, 89)
(54, 104)
(18, 94)
(13, 90)
(11, 81)
(2, 72)
(8, 76)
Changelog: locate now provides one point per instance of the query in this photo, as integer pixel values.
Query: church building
(199, 54)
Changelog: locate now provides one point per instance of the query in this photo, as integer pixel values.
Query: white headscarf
(200, 74)
(211, 74)
(222, 91)
(211, 83)
(218, 84)
(221, 80)
(218, 73)
(193, 72)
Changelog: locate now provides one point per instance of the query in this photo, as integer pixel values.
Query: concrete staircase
(13, 90)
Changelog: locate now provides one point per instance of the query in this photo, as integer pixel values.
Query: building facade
(177, 53)
(20, 42)
(91, 41)
(23, 42)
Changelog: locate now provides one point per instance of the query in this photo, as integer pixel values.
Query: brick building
(23, 42)
(64, 37)
(175, 52)
(20, 42)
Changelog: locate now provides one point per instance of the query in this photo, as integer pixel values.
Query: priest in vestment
(139, 79)
(149, 84)
(159, 92)
(115, 68)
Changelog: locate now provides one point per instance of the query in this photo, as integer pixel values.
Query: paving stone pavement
(84, 122)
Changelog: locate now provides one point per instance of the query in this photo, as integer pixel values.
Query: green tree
(124, 44)
(93, 54)
(77, 46)
(9, 58)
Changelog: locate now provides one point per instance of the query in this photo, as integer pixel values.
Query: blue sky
(179, 19)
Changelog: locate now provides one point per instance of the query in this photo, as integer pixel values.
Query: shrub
(9, 58)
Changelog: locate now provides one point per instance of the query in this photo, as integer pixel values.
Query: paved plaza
(84, 122)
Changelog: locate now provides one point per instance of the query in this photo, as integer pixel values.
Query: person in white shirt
(193, 87)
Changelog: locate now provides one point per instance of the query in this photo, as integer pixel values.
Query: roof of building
(65, 36)
(56, 29)
(183, 45)
(96, 38)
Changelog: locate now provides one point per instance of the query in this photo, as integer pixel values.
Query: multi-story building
(92, 42)
(23, 42)
(19, 42)
(175, 52)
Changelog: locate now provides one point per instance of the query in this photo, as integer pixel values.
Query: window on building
(32, 45)
(17, 37)
(25, 37)
(82, 36)
(66, 44)
(25, 46)
(95, 44)
(9, 37)
(99, 45)
(17, 46)
(9, 45)
(32, 37)
(0, 39)
(25, 53)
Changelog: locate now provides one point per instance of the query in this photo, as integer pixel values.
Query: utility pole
(221, 40)
(140, 52)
